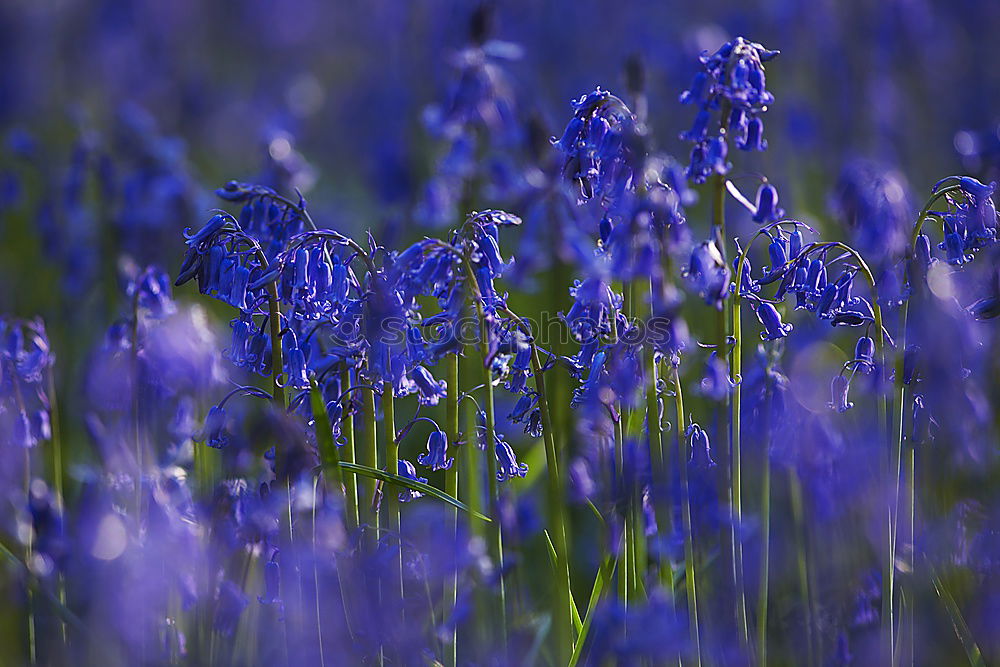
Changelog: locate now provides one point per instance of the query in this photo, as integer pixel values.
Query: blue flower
(436, 457)
(430, 390)
(599, 146)
(214, 433)
(774, 328)
(700, 447)
(507, 464)
(731, 93)
(708, 272)
(839, 388)
(864, 354)
(406, 469)
(767, 206)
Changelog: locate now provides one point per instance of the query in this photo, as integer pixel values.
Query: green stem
(731, 437)
(625, 564)
(496, 541)
(391, 497)
(563, 606)
(765, 537)
(347, 429)
(451, 488)
(369, 456)
(689, 569)
(57, 477)
(802, 549)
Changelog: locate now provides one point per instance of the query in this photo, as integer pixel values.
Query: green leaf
(602, 580)
(328, 453)
(577, 623)
(958, 622)
(60, 608)
(411, 484)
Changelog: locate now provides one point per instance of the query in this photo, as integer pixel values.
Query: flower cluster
(731, 95)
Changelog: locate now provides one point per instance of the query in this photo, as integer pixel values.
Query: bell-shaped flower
(436, 457)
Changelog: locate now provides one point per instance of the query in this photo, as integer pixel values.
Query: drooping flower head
(600, 146)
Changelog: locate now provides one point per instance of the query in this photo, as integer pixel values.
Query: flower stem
(731, 436)
(689, 569)
(562, 609)
(392, 497)
(451, 488)
(347, 429)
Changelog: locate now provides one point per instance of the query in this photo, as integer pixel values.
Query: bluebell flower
(731, 94)
(839, 388)
(864, 354)
(214, 432)
(599, 144)
(507, 464)
(272, 582)
(408, 470)
(430, 390)
(767, 205)
(986, 308)
(700, 448)
(708, 273)
(436, 457)
(774, 328)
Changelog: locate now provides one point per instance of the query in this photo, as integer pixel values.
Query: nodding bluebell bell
(151, 290)
(436, 457)
(954, 243)
(214, 432)
(406, 469)
(732, 89)
(590, 314)
(430, 390)
(272, 581)
(779, 258)
(709, 274)
(525, 404)
(767, 206)
(864, 354)
(774, 328)
(855, 313)
(520, 367)
(507, 465)
(599, 144)
(700, 447)
(839, 388)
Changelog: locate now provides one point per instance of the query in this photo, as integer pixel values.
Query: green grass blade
(958, 622)
(574, 610)
(602, 580)
(412, 484)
